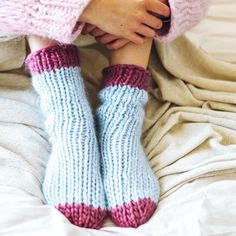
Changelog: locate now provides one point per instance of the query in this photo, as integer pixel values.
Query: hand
(108, 40)
(132, 20)
(36, 43)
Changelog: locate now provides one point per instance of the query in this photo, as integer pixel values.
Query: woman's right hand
(129, 19)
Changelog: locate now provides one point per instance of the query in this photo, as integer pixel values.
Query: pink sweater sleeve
(185, 14)
(56, 19)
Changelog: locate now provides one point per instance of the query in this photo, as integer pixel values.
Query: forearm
(184, 16)
(53, 19)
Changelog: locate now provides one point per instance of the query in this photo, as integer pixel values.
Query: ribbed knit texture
(185, 14)
(132, 190)
(72, 181)
(57, 19)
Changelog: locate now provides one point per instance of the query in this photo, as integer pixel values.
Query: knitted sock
(72, 181)
(132, 190)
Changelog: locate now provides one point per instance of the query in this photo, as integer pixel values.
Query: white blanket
(189, 136)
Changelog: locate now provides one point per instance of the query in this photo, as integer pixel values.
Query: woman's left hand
(110, 41)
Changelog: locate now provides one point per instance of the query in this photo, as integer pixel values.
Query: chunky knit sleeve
(185, 14)
(55, 19)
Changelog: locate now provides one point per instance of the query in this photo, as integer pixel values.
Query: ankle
(132, 54)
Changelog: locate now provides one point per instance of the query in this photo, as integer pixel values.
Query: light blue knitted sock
(132, 190)
(72, 181)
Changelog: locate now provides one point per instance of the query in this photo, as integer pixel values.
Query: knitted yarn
(132, 190)
(72, 181)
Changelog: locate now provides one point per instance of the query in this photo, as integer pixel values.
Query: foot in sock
(72, 181)
(132, 190)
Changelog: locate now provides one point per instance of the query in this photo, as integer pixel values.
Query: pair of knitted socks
(89, 174)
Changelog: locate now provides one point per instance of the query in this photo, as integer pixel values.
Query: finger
(153, 22)
(97, 32)
(107, 38)
(164, 1)
(84, 32)
(88, 28)
(146, 31)
(135, 38)
(158, 7)
(119, 43)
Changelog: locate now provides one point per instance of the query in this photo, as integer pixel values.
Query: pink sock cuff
(122, 75)
(53, 57)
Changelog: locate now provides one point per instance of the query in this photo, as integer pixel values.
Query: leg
(132, 54)
(72, 181)
(132, 189)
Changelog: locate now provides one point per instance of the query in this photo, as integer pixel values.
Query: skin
(117, 18)
(36, 43)
(109, 40)
(132, 54)
(129, 54)
(140, 20)
(112, 42)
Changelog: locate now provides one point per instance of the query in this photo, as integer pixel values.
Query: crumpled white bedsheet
(192, 204)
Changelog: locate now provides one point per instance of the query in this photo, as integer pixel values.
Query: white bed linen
(195, 202)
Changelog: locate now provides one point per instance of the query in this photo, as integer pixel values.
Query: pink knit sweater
(57, 19)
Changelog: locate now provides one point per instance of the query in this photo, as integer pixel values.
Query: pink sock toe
(82, 215)
(133, 214)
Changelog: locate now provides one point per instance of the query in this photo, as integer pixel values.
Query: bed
(189, 135)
